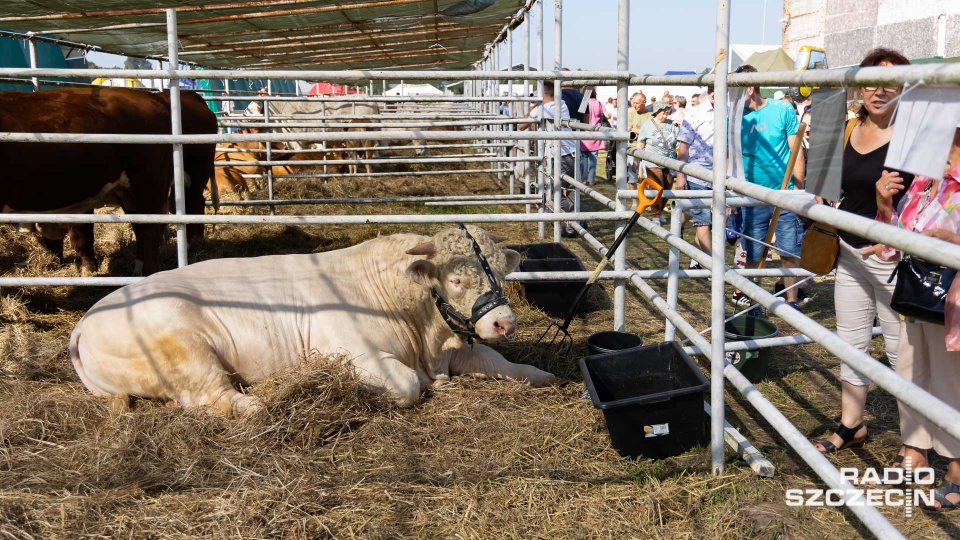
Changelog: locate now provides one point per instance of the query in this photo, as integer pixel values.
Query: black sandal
(847, 435)
(906, 474)
(940, 495)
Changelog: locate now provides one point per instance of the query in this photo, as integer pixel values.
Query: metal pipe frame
(481, 93)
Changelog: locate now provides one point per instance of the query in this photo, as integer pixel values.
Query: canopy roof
(283, 34)
(775, 60)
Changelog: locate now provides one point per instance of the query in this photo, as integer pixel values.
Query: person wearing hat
(659, 136)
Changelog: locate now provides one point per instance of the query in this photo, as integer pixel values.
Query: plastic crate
(554, 297)
(651, 398)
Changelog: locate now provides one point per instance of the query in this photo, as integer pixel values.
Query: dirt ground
(478, 459)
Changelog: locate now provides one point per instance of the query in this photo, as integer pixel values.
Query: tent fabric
(11, 55)
(279, 34)
(775, 60)
(406, 89)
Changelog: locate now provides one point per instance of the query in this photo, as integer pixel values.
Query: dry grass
(478, 459)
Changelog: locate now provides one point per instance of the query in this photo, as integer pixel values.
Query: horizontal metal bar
(755, 344)
(493, 199)
(311, 220)
(387, 135)
(928, 74)
(365, 98)
(67, 281)
(310, 75)
(229, 150)
(405, 173)
(381, 126)
(375, 161)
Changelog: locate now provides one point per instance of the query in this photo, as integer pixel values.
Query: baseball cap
(778, 94)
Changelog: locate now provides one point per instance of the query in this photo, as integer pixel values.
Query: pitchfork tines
(565, 343)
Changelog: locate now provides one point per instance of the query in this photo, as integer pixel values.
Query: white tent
(404, 89)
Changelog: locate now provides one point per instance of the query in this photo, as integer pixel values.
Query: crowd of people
(925, 353)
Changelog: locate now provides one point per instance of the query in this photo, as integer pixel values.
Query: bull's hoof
(118, 404)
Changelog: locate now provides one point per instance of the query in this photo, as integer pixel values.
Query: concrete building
(847, 29)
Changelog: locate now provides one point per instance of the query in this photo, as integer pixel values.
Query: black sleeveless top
(858, 185)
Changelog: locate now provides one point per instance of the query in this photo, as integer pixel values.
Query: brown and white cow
(191, 335)
(80, 177)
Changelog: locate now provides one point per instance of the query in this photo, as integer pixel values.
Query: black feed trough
(556, 296)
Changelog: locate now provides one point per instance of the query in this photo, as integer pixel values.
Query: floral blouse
(922, 209)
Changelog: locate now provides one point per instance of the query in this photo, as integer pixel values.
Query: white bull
(192, 334)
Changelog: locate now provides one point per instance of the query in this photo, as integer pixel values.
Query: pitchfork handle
(596, 273)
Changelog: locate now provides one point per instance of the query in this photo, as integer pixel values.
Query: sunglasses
(887, 89)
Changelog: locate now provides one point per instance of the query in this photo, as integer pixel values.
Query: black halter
(461, 324)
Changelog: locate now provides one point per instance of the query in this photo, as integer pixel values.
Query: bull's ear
(497, 239)
(513, 259)
(422, 272)
(424, 248)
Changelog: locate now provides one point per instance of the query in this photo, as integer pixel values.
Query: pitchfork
(560, 330)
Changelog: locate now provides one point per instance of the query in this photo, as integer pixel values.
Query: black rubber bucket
(752, 364)
(612, 341)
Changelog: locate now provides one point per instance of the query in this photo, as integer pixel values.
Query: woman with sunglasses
(861, 291)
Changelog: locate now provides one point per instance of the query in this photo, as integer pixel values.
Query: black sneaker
(569, 233)
(802, 296)
(796, 306)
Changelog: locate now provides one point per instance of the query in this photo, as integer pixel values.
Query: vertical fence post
(269, 170)
(541, 145)
(510, 107)
(623, 65)
(557, 106)
(525, 106)
(719, 243)
(32, 47)
(176, 123)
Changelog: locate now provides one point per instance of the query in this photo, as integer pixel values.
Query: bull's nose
(505, 326)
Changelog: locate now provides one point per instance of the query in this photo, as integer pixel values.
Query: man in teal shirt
(767, 132)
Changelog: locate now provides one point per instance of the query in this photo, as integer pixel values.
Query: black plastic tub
(554, 297)
(610, 341)
(651, 398)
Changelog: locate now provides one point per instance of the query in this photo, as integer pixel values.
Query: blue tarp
(15, 53)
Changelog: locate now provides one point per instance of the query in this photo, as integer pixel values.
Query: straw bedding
(478, 459)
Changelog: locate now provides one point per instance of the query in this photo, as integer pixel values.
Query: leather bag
(821, 243)
(921, 289)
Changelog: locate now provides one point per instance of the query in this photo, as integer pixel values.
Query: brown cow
(230, 177)
(80, 177)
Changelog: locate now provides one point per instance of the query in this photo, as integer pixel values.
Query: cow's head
(467, 294)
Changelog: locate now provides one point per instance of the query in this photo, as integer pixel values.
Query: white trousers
(925, 361)
(862, 292)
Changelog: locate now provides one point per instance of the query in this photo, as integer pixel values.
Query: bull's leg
(194, 376)
(369, 155)
(148, 248)
(383, 373)
(81, 238)
(482, 361)
(54, 246)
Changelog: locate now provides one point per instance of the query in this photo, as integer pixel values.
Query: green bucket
(752, 364)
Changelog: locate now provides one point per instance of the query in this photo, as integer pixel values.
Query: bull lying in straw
(401, 307)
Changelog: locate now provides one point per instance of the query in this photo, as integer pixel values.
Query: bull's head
(464, 272)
